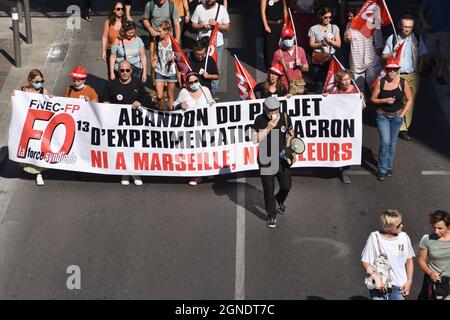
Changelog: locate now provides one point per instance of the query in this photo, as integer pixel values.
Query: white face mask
(288, 43)
(79, 87)
(194, 86)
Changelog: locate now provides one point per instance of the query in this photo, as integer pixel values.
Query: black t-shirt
(261, 93)
(196, 66)
(116, 92)
(261, 123)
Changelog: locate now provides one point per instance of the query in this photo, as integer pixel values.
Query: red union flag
(330, 81)
(212, 48)
(244, 81)
(374, 14)
(393, 60)
(180, 58)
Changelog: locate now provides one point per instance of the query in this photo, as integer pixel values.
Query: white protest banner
(72, 134)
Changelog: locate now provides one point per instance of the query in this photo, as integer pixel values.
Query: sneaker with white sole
(125, 180)
(195, 181)
(137, 180)
(39, 180)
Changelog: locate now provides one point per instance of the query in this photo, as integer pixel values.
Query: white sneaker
(137, 180)
(125, 180)
(39, 180)
(195, 181)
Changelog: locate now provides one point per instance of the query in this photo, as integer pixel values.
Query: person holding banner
(273, 86)
(344, 85)
(79, 89)
(35, 85)
(195, 95)
(324, 39)
(126, 90)
(273, 131)
(393, 98)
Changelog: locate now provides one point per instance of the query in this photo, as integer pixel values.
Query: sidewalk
(48, 34)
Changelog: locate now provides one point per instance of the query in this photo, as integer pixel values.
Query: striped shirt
(363, 53)
(438, 14)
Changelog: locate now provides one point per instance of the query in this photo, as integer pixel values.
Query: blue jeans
(393, 293)
(388, 128)
(215, 83)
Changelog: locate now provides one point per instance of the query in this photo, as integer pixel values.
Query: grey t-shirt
(159, 14)
(438, 253)
(318, 34)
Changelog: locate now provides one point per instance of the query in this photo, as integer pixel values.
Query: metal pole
(16, 36)
(20, 10)
(26, 6)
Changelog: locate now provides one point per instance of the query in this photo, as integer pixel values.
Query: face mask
(195, 86)
(288, 43)
(36, 85)
(79, 87)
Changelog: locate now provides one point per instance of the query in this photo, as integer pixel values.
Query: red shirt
(294, 72)
(336, 90)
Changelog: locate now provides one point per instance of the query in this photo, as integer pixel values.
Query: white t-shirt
(203, 101)
(398, 250)
(202, 15)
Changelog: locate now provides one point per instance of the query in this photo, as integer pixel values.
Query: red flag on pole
(212, 47)
(393, 61)
(330, 81)
(244, 81)
(182, 61)
(374, 14)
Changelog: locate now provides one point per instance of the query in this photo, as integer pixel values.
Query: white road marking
(359, 173)
(239, 284)
(436, 173)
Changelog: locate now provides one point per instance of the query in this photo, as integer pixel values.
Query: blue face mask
(288, 43)
(37, 85)
(194, 86)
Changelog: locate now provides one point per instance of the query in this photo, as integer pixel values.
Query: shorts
(160, 77)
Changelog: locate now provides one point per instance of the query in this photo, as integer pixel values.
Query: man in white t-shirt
(204, 19)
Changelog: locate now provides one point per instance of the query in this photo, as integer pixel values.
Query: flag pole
(251, 89)
(353, 81)
(295, 33)
(390, 18)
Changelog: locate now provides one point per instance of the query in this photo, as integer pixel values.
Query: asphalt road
(166, 240)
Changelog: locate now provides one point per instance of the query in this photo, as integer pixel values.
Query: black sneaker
(404, 135)
(381, 176)
(389, 173)
(281, 207)
(272, 221)
(345, 178)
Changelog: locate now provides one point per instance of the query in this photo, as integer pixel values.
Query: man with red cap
(293, 60)
(273, 86)
(79, 89)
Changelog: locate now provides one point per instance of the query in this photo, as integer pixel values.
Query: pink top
(336, 90)
(289, 58)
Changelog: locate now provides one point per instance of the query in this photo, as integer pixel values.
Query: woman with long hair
(111, 28)
(273, 84)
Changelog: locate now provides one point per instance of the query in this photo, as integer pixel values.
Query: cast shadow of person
(241, 193)
(368, 161)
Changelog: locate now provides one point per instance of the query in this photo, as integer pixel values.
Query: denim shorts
(160, 77)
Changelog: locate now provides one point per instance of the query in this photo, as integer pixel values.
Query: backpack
(151, 5)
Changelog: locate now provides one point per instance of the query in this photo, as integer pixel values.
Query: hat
(392, 65)
(287, 33)
(277, 69)
(78, 73)
(271, 103)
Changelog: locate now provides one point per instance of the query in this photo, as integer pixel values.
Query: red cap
(287, 33)
(392, 65)
(277, 69)
(78, 73)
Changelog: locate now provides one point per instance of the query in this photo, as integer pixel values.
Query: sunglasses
(392, 70)
(192, 82)
(328, 17)
(400, 224)
(41, 81)
(125, 70)
(119, 9)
